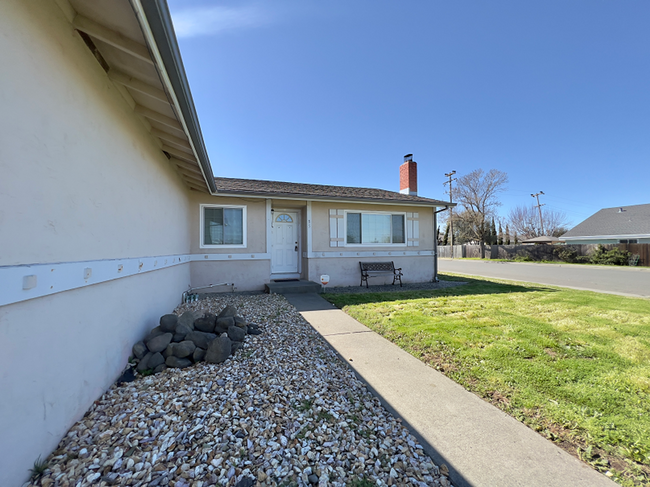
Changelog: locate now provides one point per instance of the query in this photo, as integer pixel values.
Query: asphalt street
(629, 281)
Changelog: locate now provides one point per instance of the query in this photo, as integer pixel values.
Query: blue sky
(554, 93)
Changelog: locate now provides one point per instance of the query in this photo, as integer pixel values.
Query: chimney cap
(408, 157)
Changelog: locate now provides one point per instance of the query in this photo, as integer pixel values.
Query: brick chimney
(408, 176)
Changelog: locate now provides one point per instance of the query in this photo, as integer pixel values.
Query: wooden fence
(539, 252)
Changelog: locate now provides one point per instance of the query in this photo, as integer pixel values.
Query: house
(109, 211)
(544, 239)
(624, 224)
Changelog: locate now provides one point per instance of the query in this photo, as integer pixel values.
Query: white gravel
(284, 411)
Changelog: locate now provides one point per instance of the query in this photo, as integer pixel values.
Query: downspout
(435, 243)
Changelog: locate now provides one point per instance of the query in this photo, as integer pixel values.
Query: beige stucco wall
(255, 225)
(59, 353)
(80, 179)
(321, 225)
(344, 271)
(246, 275)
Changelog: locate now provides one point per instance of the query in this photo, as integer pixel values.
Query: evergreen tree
(445, 239)
(500, 234)
(507, 234)
(516, 239)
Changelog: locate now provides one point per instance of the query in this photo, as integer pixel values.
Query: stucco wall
(59, 353)
(344, 271)
(321, 225)
(81, 179)
(255, 225)
(246, 275)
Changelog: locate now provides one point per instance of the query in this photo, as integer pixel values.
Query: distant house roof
(544, 239)
(614, 222)
(280, 189)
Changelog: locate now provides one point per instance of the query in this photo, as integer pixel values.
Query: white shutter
(413, 229)
(337, 228)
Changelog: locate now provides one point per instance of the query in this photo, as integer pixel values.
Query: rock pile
(194, 336)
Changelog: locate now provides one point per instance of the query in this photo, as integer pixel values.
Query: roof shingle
(620, 220)
(317, 191)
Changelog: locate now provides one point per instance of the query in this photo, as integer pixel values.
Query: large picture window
(223, 226)
(375, 229)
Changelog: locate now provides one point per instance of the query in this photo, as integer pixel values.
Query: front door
(284, 242)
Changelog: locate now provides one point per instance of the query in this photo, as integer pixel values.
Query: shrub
(566, 254)
(614, 256)
(523, 257)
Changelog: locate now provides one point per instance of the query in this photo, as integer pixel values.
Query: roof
(134, 42)
(614, 222)
(280, 189)
(542, 239)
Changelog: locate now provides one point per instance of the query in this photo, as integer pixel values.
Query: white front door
(284, 242)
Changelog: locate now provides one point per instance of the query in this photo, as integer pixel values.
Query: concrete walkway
(481, 446)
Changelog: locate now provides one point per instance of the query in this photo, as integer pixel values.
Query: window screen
(223, 226)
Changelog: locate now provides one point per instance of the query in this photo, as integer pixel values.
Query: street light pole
(451, 209)
(539, 207)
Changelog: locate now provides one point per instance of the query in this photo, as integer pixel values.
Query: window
(375, 229)
(223, 226)
(632, 241)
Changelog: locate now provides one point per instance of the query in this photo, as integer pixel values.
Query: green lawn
(573, 365)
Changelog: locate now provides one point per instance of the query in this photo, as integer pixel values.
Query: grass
(573, 365)
(38, 469)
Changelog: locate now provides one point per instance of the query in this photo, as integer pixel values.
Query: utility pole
(451, 209)
(539, 207)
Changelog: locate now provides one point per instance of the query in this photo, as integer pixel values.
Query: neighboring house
(544, 239)
(109, 211)
(621, 224)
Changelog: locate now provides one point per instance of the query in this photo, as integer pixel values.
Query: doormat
(286, 280)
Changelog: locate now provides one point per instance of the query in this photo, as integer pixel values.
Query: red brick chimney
(408, 176)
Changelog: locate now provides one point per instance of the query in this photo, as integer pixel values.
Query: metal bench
(379, 268)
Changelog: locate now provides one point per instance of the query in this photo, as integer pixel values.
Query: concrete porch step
(292, 287)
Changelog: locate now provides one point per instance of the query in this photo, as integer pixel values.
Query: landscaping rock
(205, 324)
(236, 334)
(201, 339)
(176, 362)
(155, 360)
(239, 321)
(169, 351)
(219, 350)
(179, 337)
(187, 319)
(184, 349)
(143, 364)
(235, 346)
(159, 369)
(160, 342)
(223, 324)
(198, 355)
(253, 330)
(229, 310)
(183, 329)
(140, 350)
(154, 333)
(168, 323)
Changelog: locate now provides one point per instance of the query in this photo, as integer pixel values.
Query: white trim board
(23, 282)
(369, 253)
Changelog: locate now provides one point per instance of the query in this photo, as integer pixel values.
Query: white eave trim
(160, 67)
(607, 237)
(326, 199)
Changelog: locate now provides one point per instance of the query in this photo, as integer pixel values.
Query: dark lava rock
(198, 355)
(140, 350)
(201, 339)
(219, 350)
(179, 363)
(205, 324)
(236, 334)
(160, 342)
(168, 323)
(228, 311)
(155, 360)
(184, 349)
(154, 333)
(143, 364)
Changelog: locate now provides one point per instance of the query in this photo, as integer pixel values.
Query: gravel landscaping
(284, 410)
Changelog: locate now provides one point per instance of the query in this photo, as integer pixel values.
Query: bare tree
(477, 193)
(524, 220)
